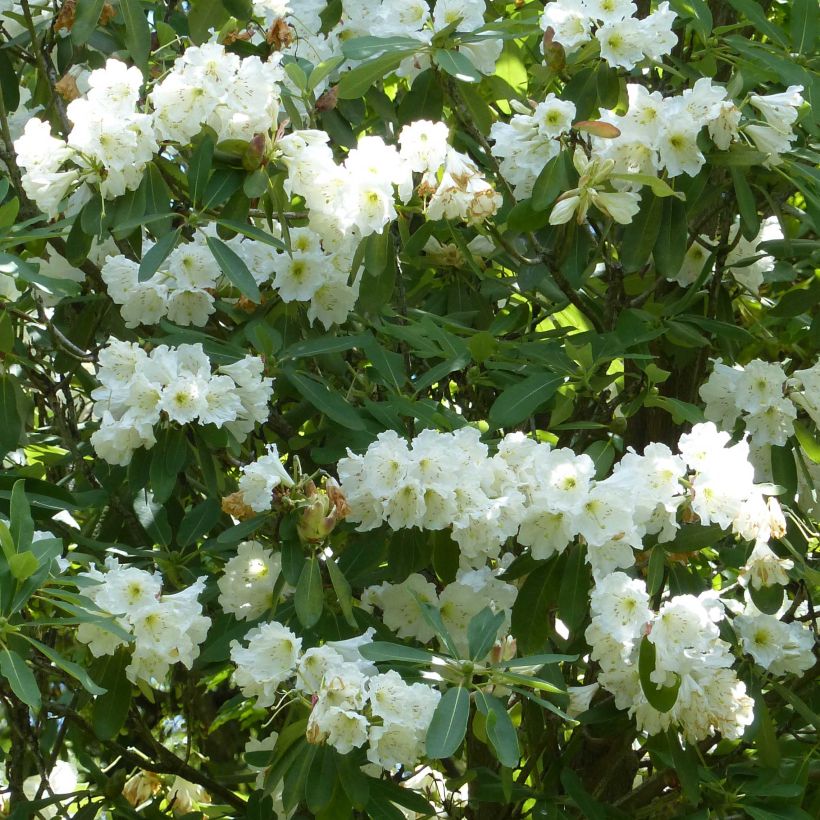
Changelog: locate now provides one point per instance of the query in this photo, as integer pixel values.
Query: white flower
(260, 479)
(268, 659)
(246, 587)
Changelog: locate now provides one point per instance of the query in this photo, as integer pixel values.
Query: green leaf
(536, 597)
(424, 100)
(9, 88)
(590, 808)
(672, 240)
(23, 565)
(198, 521)
(321, 780)
(20, 678)
(361, 48)
(86, 17)
(749, 220)
(21, 523)
(658, 186)
(552, 181)
(309, 599)
(808, 442)
(234, 268)
(522, 399)
(168, 459)
(456, 64)
(11, 425)
(137, 33)
(252, 232)
(342, 589)
(377, 251)
(803, 26)
(784, 468)
(324, 69)
(756, 14)
(199, 168)
(110, 709)
(482, 632)
(573, 597)
(661, 698)
(693, 537)
(355, 83)
(685, 761)
(325, 400)
(767, 599)
(75, 670)
(385, 651)
(157, 254)
(536, 661)
(640, 235)
(449, 723)
(698, 12)
(656, 570)
(500, 730)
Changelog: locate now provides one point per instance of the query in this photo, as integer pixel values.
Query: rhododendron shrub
(409, 408)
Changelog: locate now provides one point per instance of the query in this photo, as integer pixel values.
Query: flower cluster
(260, 478)
(210, 86)
(309, 273)
(779, 647)
(248, 582)
(109, 144)
(457, 603)
(181, 289)
(689, 653)
(547, 497)
(166, 629)
(138, 389)
(780, 112)
(624, 40)
(530, 140)
(111, 141)
(753, 392)
(352, 704)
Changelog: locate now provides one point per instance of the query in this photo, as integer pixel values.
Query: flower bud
(141, 787)
(254, 156)
(235, 506)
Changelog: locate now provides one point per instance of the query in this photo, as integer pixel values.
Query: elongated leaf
(361, 48)
(20, 678)
(659, 186)
(199, 168)
(75, 670)
(325, 400)
(482, 632)
(23, 565)
(86, 16)
(749, 220)
(234, 268)
(661, 698)
(168, 459)
(110, 709)
(803, 26)
(500, 730)
(252, 232)
(309, 599)
(672, 239)
(808, 442)
(640, 235)
(342, 589)
(385, 651)
(573, 598)
(11, 425)
(457, 64)
(552, 181)
(530, 613)
(685, 761)
(21, 522)
(198, 521)
(137, 33)
(321, 780)
(536, 661)
(521, 400)
(449, 723)
(356, 82)
(156, 255)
